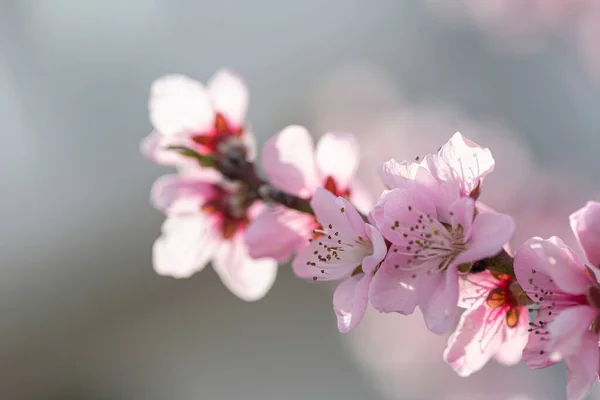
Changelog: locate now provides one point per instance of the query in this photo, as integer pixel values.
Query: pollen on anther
(409, 208)
(314, 278)
(342, 209)
(330, 226)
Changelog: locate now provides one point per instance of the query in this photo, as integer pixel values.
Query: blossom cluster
(426, 242)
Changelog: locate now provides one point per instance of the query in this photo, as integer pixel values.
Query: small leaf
(205, 161)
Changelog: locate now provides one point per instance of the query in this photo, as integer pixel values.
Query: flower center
(339, 250)
(507, 295)
(430, 240)
(231, 209)
(331, 186)
(221, 138)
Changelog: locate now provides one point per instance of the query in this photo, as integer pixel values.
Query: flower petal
(582, 368)
(229, 96)
(568, 329)
(536, 354)
(555, 263)
(338, 214)
(394, 289)
(303, 268)
(288, 161)
(405, 207)
(462, 212)
(586, 226)
(515, 340)
(489, 233)
(397, 175)
(249, 279)
(178, 105)
(438, 300)
(155, 148)
(168, 189)
(467, 161)
(475, 341)
(338, 155)
(379, 250)
(278, 233)
(185, 246)
(474, 288)
(350, 301)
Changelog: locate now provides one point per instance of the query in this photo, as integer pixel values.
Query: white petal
(178, 105)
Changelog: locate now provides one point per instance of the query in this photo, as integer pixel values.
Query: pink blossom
(429, 216)
(568, 318)
(295, 167)
(347, 249)
(206, 222)
(495, 323)
(185, 113)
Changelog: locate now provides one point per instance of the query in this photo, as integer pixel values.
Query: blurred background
(82, 314)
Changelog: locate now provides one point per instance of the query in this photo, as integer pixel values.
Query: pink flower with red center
(208, 119)
(495, 323)
(207, 222)
(294, 166)
(430, 218)
(346, 248)
(567, 324)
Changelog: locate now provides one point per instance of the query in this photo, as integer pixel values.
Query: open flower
(206, 222)
(347, 249)
(430, 218)
(495, 323)
(208, 120)
(567, 324)
(295, 167)
(427, 248)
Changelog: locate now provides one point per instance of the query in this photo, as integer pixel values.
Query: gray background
(82, 315)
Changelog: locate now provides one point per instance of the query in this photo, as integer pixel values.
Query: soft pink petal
(405, 207)
(185, 246)
(474, 288)
(515, 340)
(475, 341)
(179, 104)
(394, 289)
(379, 250)
(338, 155)
(167, 189)
(395, 175)
(468, 162)
(568, 328)
(278, 233)
(582, 368)
(586, 225)
(438, 300)
(229, 96)
(248, 278)
(350, 301)
(155, 148)
(288, 160)
(341, 216)
(462, 212)
(536, 354)
(558, 264)
(303, 268)
(531, 269)
(489, 233)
